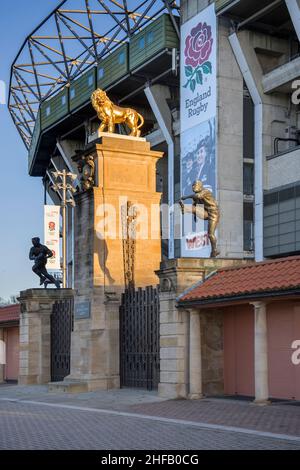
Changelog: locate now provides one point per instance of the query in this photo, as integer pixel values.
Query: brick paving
(32, 418)
(41, 427)
(276, 418)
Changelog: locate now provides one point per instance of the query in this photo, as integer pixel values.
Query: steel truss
(74, 37)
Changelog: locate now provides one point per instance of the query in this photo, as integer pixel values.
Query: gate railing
(62, 321)
(139, 338)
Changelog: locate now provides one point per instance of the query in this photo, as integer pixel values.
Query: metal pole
(45, 191)
(62, 188)
(64, 235)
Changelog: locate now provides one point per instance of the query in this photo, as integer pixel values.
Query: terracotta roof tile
(267, 276)
(9, 313)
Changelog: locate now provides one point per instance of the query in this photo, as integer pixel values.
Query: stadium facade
(217, 85)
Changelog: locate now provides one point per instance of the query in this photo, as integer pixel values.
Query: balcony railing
(283, 168)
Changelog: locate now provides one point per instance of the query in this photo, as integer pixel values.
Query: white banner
(198, 69)
(51, 235)
(198, 101)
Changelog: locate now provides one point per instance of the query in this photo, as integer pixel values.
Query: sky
(21, 196)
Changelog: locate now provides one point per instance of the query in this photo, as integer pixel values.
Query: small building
(9, 336)
(245, 322)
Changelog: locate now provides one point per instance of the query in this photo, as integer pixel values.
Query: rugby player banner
(198, 101)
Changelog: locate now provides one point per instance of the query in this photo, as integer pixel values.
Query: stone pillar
(195, 356)
(212, 351)
(260, 354)
(125, 171)
(35, 334)
(3, 347)
(174, 324)
(175, 276)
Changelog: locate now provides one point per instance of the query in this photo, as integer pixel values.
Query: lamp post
(65, 185)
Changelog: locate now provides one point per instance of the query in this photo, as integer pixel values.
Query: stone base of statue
(97, 137)
(35, 333)
(124, 176)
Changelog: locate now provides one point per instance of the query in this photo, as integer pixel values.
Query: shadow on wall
(102, 253)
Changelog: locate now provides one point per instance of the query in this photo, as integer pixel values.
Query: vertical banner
(198, 107)
(51, 235)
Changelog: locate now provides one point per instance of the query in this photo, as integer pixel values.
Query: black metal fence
(61, 329)
(139, 338)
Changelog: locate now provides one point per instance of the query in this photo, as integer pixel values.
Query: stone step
(68, 387)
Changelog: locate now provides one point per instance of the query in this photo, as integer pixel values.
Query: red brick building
(9, 335)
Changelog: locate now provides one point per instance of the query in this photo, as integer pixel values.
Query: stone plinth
(35, 333)
(125, 172)
(97, 136)
(185, 341)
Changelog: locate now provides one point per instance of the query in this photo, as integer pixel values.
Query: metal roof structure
(73, 38)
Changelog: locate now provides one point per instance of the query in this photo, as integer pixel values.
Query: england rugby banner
(51, 235)
(198, 107)
(198, 69)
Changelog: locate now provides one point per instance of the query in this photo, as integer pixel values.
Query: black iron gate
(61, 328)
(139, 338)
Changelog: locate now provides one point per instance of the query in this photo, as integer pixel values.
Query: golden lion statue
(110, 114)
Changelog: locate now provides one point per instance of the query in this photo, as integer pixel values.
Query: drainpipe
(169, 139)
(258, 135)
(294, 12)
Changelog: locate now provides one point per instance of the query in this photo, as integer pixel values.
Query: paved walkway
(114, 399)
(31, 418)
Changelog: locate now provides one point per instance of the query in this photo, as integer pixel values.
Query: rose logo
(198, 47)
